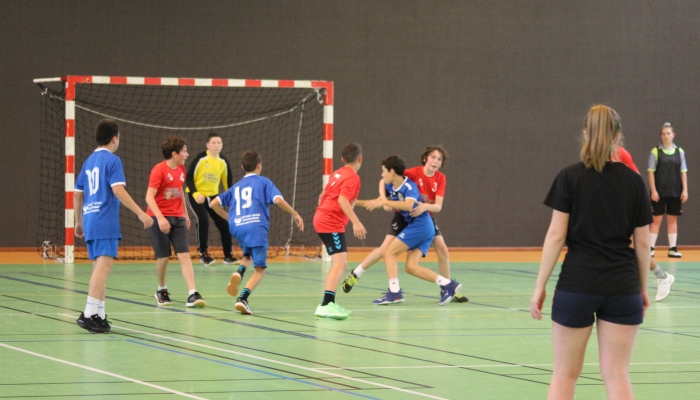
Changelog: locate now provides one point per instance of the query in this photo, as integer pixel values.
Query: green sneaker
(332, 310)
(349, 282)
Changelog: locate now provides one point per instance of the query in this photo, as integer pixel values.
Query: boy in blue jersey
(249, 222)
(402, 194)
(99, 189)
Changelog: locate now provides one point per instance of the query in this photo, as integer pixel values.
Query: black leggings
(203, 212)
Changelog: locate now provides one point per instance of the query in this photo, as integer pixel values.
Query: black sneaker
(206, 259)
(106, 325)
(231, 260)
(195, 300)
(94, 324)
(458, 298)
(163, 298)
(243, 307)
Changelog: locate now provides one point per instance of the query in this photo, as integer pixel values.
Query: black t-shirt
(604, 209)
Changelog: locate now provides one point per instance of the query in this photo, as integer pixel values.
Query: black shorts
(398, 224)
(576, 310)
(335, 242)
(177, 236)
(666, 205)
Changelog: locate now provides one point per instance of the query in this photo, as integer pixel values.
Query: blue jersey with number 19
(249, 213)
(101, 171)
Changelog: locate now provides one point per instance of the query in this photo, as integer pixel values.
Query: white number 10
(93, 180)
(247, 195)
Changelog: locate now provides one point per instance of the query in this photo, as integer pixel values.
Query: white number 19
(247, 195)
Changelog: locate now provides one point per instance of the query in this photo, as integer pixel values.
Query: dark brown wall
(503, 85)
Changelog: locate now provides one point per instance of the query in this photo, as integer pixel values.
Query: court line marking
(499, 366)
(126, 378)
(290, 365)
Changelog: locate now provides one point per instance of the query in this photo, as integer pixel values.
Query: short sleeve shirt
(429, 186)
(407, 190)
(329, 217)
(604, 209)
(99, 173)
(626, 158)
(249, 213)
(169, 183)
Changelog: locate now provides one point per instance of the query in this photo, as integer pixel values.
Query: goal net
(288, 122)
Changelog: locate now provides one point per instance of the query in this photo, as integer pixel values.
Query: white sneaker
(652, 252)
(673, 252)
(664, 287)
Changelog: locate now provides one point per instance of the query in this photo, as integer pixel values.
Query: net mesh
(284, 125)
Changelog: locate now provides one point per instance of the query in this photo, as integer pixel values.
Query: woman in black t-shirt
(597, 205)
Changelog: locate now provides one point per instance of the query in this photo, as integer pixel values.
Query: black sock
(328, 297)
(244, 294)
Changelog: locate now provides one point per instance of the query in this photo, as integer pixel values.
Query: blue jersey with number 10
(249, 213)
(101, 171)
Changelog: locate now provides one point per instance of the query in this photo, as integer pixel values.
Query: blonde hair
(602, 124)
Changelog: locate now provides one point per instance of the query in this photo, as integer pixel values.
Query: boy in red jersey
(431, 184)
(166, 204)
(335, 209)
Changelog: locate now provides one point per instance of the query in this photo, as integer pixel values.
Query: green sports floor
(489, 348)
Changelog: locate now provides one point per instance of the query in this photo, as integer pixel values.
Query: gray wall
(504, 85)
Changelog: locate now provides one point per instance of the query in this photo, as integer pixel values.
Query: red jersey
(428, 186)
(169, 183)
(626, 158)
(329, 217)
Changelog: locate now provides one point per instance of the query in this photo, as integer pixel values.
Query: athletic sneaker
(459, 298)
(232, 287)
(231, 260)
(163, 298)
(652, 252)
(93, 324)
(390, 298)
(206, 259)
(349, 282)
(664, 286)
(195, 300)
(333, 311)
(106, 325)
(243, 307)
(674, 253)
(448, 292)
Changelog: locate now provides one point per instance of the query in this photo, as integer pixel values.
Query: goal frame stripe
(71, 82)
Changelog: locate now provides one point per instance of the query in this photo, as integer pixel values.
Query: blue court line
(253, 370)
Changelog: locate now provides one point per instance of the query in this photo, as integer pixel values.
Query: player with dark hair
(166, 205)
(431, 185)
(249, 221)
(668, 181)
(206, 173)
(99, 189)
(334, 211)
(401, 194)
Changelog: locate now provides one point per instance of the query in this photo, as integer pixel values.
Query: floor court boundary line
(126, 378)
(502, 366)
(317, 370)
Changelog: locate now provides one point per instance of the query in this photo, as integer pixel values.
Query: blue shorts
(576, 310)
(257, 253)
(419, 234)
(102, 247)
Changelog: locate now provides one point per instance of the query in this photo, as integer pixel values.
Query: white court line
(498, 366)
(103, 372)
(317, 370)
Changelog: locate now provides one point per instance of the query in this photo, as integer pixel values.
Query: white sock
(652, 239)
(162, 287)
(660, 273)
(192, 291)
(672, 237)
(442, 281)
(91, 307)
(358, 271)
(394, 285)
(101, 310)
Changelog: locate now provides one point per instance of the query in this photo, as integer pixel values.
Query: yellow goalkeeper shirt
(207, 173)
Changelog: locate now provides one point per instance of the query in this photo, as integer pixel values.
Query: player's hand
(299, 221)
(200, 199)
(387, 208)
(187, 221)
(536, 303)
(684, 197)
(146, 219)
(164, 225)
(372, 204)
(655, 195)
(359, 230)
(419, 209)
(79, 230)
